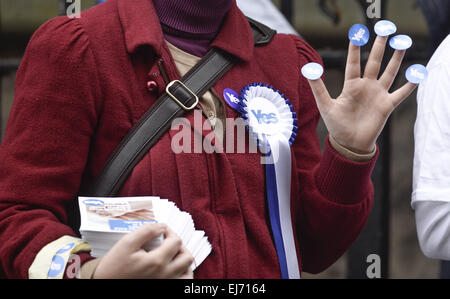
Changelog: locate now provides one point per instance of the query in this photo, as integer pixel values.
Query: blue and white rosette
(272, 121)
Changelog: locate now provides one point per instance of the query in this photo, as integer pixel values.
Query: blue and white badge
(57, 266)
(385, 28)
(312, 71)
(268, 113)
(232, 98)
(271, 119)
(66, 248)
(359, 35)
(401, 42)
(416, 73)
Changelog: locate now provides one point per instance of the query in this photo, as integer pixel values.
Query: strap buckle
(178, 101)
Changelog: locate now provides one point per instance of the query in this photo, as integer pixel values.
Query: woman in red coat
(85, 82)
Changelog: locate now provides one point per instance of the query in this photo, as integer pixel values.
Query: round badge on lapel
(232, 98)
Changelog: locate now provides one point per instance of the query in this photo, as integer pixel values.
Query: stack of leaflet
(104, 221)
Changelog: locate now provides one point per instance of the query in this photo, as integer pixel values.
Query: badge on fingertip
(312, 71)
(385, 28)
(359, 35)
(401, 42)
(416, 73)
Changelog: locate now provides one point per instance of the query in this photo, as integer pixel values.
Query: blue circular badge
(385, 28)
(66, 248)
(57, 266)
(401, 42)
(416, 73)
(312, 71)
(232, 98)
(359, 35)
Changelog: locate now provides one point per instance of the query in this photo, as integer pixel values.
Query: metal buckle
(176, 100)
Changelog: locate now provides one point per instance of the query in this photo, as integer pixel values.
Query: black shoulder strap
(180, 97)
(261, 33)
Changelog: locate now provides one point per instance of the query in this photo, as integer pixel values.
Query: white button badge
(401, 42)
(312, 71)
(416, 73)
(385, 28)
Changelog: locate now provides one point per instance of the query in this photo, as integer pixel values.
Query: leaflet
(104, 221)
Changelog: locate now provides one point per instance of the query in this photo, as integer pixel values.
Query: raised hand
(356, 118)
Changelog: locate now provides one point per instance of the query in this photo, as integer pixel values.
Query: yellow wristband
(51, 261)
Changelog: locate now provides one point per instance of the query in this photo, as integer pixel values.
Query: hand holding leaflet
(126, 259)
(106, 221)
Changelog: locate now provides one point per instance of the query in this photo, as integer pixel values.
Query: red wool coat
(80, 89)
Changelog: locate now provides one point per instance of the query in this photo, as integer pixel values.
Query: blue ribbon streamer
(274, 214)
(279, 226)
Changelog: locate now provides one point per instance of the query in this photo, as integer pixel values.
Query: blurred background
(391, 231)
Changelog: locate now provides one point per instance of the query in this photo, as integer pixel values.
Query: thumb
(320, 92)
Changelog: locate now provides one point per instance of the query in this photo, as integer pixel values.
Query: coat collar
(141, 27)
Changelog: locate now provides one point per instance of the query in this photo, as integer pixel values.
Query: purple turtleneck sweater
(191, 25)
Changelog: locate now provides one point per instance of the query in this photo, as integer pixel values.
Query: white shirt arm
(433, 228)
(431, 181)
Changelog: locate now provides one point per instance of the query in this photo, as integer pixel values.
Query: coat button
(152, 86)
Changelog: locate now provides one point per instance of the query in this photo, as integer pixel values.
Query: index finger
(353, 67)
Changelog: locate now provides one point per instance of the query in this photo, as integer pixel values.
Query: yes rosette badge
(271, 120)
(269, 114)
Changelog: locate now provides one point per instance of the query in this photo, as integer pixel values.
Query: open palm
(356, 118)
